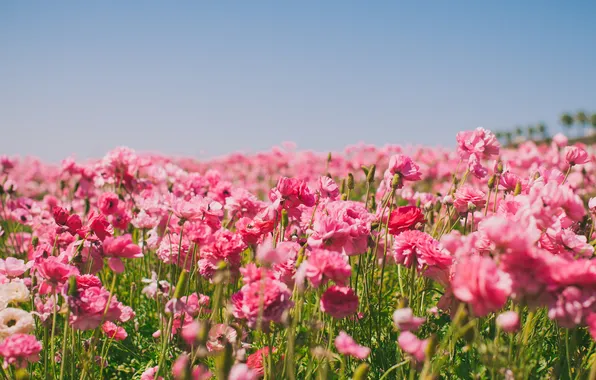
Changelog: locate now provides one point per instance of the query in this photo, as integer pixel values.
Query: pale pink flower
(13, 267)
(480, 141)
(346, 345)
(412, 345)
(508, 321)
(478, 282)
(241, 371)
(576, 156)
(405, 320)
(405, 167)
(469, 199)
(150, 373)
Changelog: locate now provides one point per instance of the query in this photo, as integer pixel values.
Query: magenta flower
(339, 302)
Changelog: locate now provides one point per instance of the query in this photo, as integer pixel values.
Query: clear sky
(186, 77)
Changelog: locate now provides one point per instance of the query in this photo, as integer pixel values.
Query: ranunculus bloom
(150, 373)
(255, 360)
(15, 321)
(120, 247)
(467, 198)
(13, 267)
(241, 371)
(113, 331)
(418, 248)
(508, 321)
(405, 320)
(480, 141)
(108, 203)
(576, 156)
(19, 349)
(323, 265)
(347, 346)
(478, 282)
(405, 167)
(339, 301)
(404, 218)
(412, 345)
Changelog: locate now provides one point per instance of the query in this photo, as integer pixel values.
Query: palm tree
(542, 130)
(519, 133)
(593, 120)
(582, 119)
(567, 120)
(509, 137)
(531, 131)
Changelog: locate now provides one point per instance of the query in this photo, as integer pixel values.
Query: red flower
(404, 218)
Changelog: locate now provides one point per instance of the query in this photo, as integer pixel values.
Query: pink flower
(347, 346)
(575, 156)
(508, 321)
(120, 247)
(18, 349)
(54, 271)
(113, 331)
(478, 282)
(108, 203)
(99, 225)
(404, 218)
(241, 371)
(480, 141)
(339, 302)
(255, 361)
(405, 167)
(592, 205)
(328, 188)
(418, 248)
(560, 140)
(412, 345)
(323, 265)
(220, 334)
(13, 267)
(468, 199)
(267, 298)
(150, 374)
(405, 320)
(181, 369)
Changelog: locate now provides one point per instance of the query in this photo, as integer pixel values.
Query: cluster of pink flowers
(512, 226)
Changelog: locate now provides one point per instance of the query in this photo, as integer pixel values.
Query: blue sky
(215, 77)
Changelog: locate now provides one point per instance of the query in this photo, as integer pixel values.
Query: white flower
(13, 321)
(14, 292)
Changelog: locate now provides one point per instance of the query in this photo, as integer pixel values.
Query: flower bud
(180, 284)
(350, 181)
(500, 167)
(344, 197)
(395, 182)
(72, 286)
(518, 189)
(284, 218)
(491, 181)
(342, 186)
(370, 176)
(361, 372)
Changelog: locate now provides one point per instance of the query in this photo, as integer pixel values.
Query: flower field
(371, 263)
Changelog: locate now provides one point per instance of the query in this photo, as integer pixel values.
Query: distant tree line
(579, 121)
